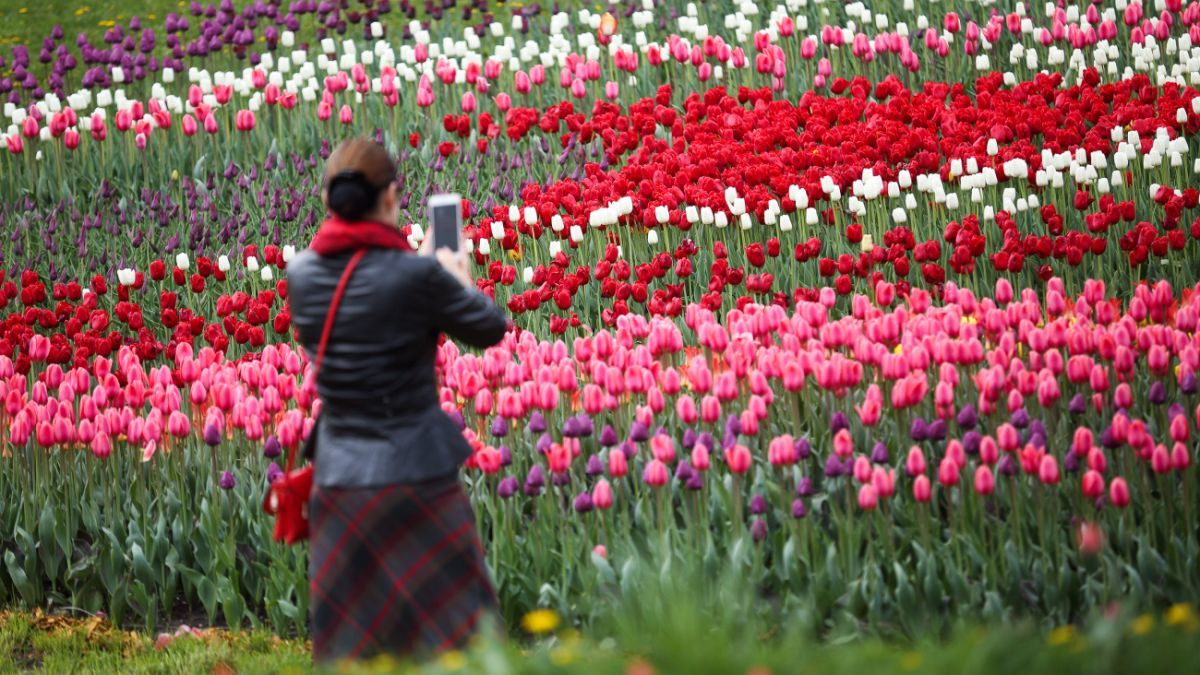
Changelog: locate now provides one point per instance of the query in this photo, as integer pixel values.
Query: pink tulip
(985, 481)
(602, 495)
(915, 463)
(868, 498)
(663, 448)
(862, 469)
(1048, 470)
(739, 459)
(1181, 459)
(700, 461)
(948, 472)
(617, 463)
(922, 489)
(843, 444)
(884, 482)
(989, 450)
(655, 474)
(468, 102)
(346, 114)
(782, 451)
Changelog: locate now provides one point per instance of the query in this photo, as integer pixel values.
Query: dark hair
(356, 173)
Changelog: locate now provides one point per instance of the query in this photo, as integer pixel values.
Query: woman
(396, 565)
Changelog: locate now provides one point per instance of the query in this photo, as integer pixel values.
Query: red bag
(287, 498)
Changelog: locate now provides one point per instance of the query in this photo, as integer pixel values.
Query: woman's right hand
(457, 264)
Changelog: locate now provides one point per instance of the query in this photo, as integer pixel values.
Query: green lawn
(29, 21)
(1144, 644)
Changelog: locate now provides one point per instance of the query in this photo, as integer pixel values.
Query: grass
(28, 21)
(1123, 644)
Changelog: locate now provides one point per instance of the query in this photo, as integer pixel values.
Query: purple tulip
(560, 479)
(967, 417)
(758, 505)
(1007, 465)
(804, 488)
(543, 444)
(639, 432)
(505, 455)
(834, 467)
(594, 466)
(629, 448)
(271, 448)
(1078, 405)
(1175, 410)
(684, 471)
(273, 472)
(971, 441)
(838, 421)
(227, 482)
(798, 510)
(1158, 393)
(936, 430)
(499, 427)
(733, 425)
(1187, 384)
(689, 438)
(212, 435)
(696, 482)
(1071, 462)
(608, 436)
(758, 529)
(507, 487)
(583, 502)
(537, 423)
(803, 449)
(1020, 418)
(879, 454)
(918, 430)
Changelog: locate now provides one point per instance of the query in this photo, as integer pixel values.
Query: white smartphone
(445, 221)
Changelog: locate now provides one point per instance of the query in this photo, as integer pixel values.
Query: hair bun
(349, 195)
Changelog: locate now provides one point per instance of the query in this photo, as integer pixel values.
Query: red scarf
(337, 236)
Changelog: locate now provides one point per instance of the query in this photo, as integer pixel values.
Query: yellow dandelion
(1142, 625)
(563, 656)
(452, 660)
(1061, 636)
(540, 621)
(23, 10)
(911, 661)
(1183, 615)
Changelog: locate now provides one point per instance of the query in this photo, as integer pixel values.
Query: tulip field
(888, 309)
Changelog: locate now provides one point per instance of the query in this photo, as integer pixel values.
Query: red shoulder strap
(328, 328)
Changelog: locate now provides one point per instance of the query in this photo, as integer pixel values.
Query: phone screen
(446, 226)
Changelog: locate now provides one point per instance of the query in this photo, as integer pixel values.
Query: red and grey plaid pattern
(396, 569)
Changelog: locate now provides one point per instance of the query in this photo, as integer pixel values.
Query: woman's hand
(426, 247)
(457, 264)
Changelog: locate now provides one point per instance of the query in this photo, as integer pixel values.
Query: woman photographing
(395, 564)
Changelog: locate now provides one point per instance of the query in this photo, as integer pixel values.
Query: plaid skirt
(396, 569)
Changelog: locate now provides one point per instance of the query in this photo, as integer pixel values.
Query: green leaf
(141, 567)
(208, 596)
(234, 609)
(289, 610)
(20, 579)
(604, 569)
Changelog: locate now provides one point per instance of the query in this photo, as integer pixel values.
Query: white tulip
(527, 275)
(720, 219)
(182, 262)
(252, 264)
(530, 215)
(661, 214)
(497, 230)
(652, 237)
(556, 223)
(126, 276)
(555, 248)
(576, 234)
(485, 247)
(223, 263)
(267, 274)
(785, 223)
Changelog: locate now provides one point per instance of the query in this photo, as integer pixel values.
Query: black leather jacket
(380, 422)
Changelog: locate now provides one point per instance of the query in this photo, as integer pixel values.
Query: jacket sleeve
(464, 314)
